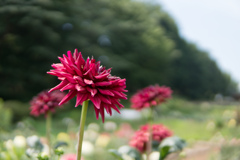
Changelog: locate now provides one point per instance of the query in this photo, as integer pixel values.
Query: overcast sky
(214, 25)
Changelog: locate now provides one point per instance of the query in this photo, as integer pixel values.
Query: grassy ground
(192, 121)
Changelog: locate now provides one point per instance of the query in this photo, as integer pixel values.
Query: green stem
(149, 143)
(81, 129)
(48, 131)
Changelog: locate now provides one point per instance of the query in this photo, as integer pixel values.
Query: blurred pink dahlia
(150, 96)
(88, 80)
(142, 136)
(45, 102)
(69, 157)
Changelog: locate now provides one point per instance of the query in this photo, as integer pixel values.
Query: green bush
(5, 117)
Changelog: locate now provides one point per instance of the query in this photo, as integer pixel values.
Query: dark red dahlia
(45, 102)
(88, 80)
(142, 136)
(150, 96)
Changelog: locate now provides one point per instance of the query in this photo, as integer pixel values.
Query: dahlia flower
(88, 80)
(142, 136)
(45, 102)
(69, 157)
(150, 96)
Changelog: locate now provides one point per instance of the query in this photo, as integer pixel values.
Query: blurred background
(139, 40)
(187, 45)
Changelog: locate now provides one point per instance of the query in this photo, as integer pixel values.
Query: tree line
(140, 41)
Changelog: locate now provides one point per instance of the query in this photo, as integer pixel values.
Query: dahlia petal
(86, 66)
(57, 65)
(118, 94)
(101, 76)
(80, 80)
(88, 71)
(66, 59)
(80, 61)
(92, 91)
(53, 73)
(97, 112)
(59, 86)
(68, 86)
(70, 57)
(119, 104)
(106, 92)
(120, 89)
(80, 99)
(87, 81)
(103, 83)
(71, 80)
(78, 71)
(75, 54)
(105, 99)
(79, 88)
(106, 107)
(69, 96)
(102, 114)
(115, 108)
(68, 69)
(110, 110)
(96, 101)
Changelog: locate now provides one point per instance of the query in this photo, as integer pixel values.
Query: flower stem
(149, 143)
(81, 129)
(48, 131)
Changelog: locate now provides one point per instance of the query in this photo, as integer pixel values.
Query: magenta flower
(142, 136)
(150, 96)
(88, 80)
(45, 102)
(69, 157)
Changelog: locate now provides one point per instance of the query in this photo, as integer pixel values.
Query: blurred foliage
(138, 40)
(5, 117)
(20, 109)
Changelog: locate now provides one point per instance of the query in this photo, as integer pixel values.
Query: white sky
(214, 25)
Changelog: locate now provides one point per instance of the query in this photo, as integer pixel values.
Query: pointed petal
(70, 56)
(117, 102)
(115, 108)
(59, 86)
(66, 65)
(53, 73)
(97, 112)
(105, 92)
(103, 83)
(77, 70)
(68, 86)
(79, 88)
(80, 99)
(102, 114)
(104, 99)
(75, 54)
(92, 91)
(69, 96)
(106, 108)
(96, 101)
(79, 80)
(103, 76)
(87, 81)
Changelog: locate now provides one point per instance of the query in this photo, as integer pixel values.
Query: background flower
(45, 102)
(150, 96)
(70, 156)
(142, 136)
(88, 80)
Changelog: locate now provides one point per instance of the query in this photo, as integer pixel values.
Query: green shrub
(5, 117)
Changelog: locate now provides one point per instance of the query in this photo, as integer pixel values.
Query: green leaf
(169, 145)
(115, 154)
(164, 151)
